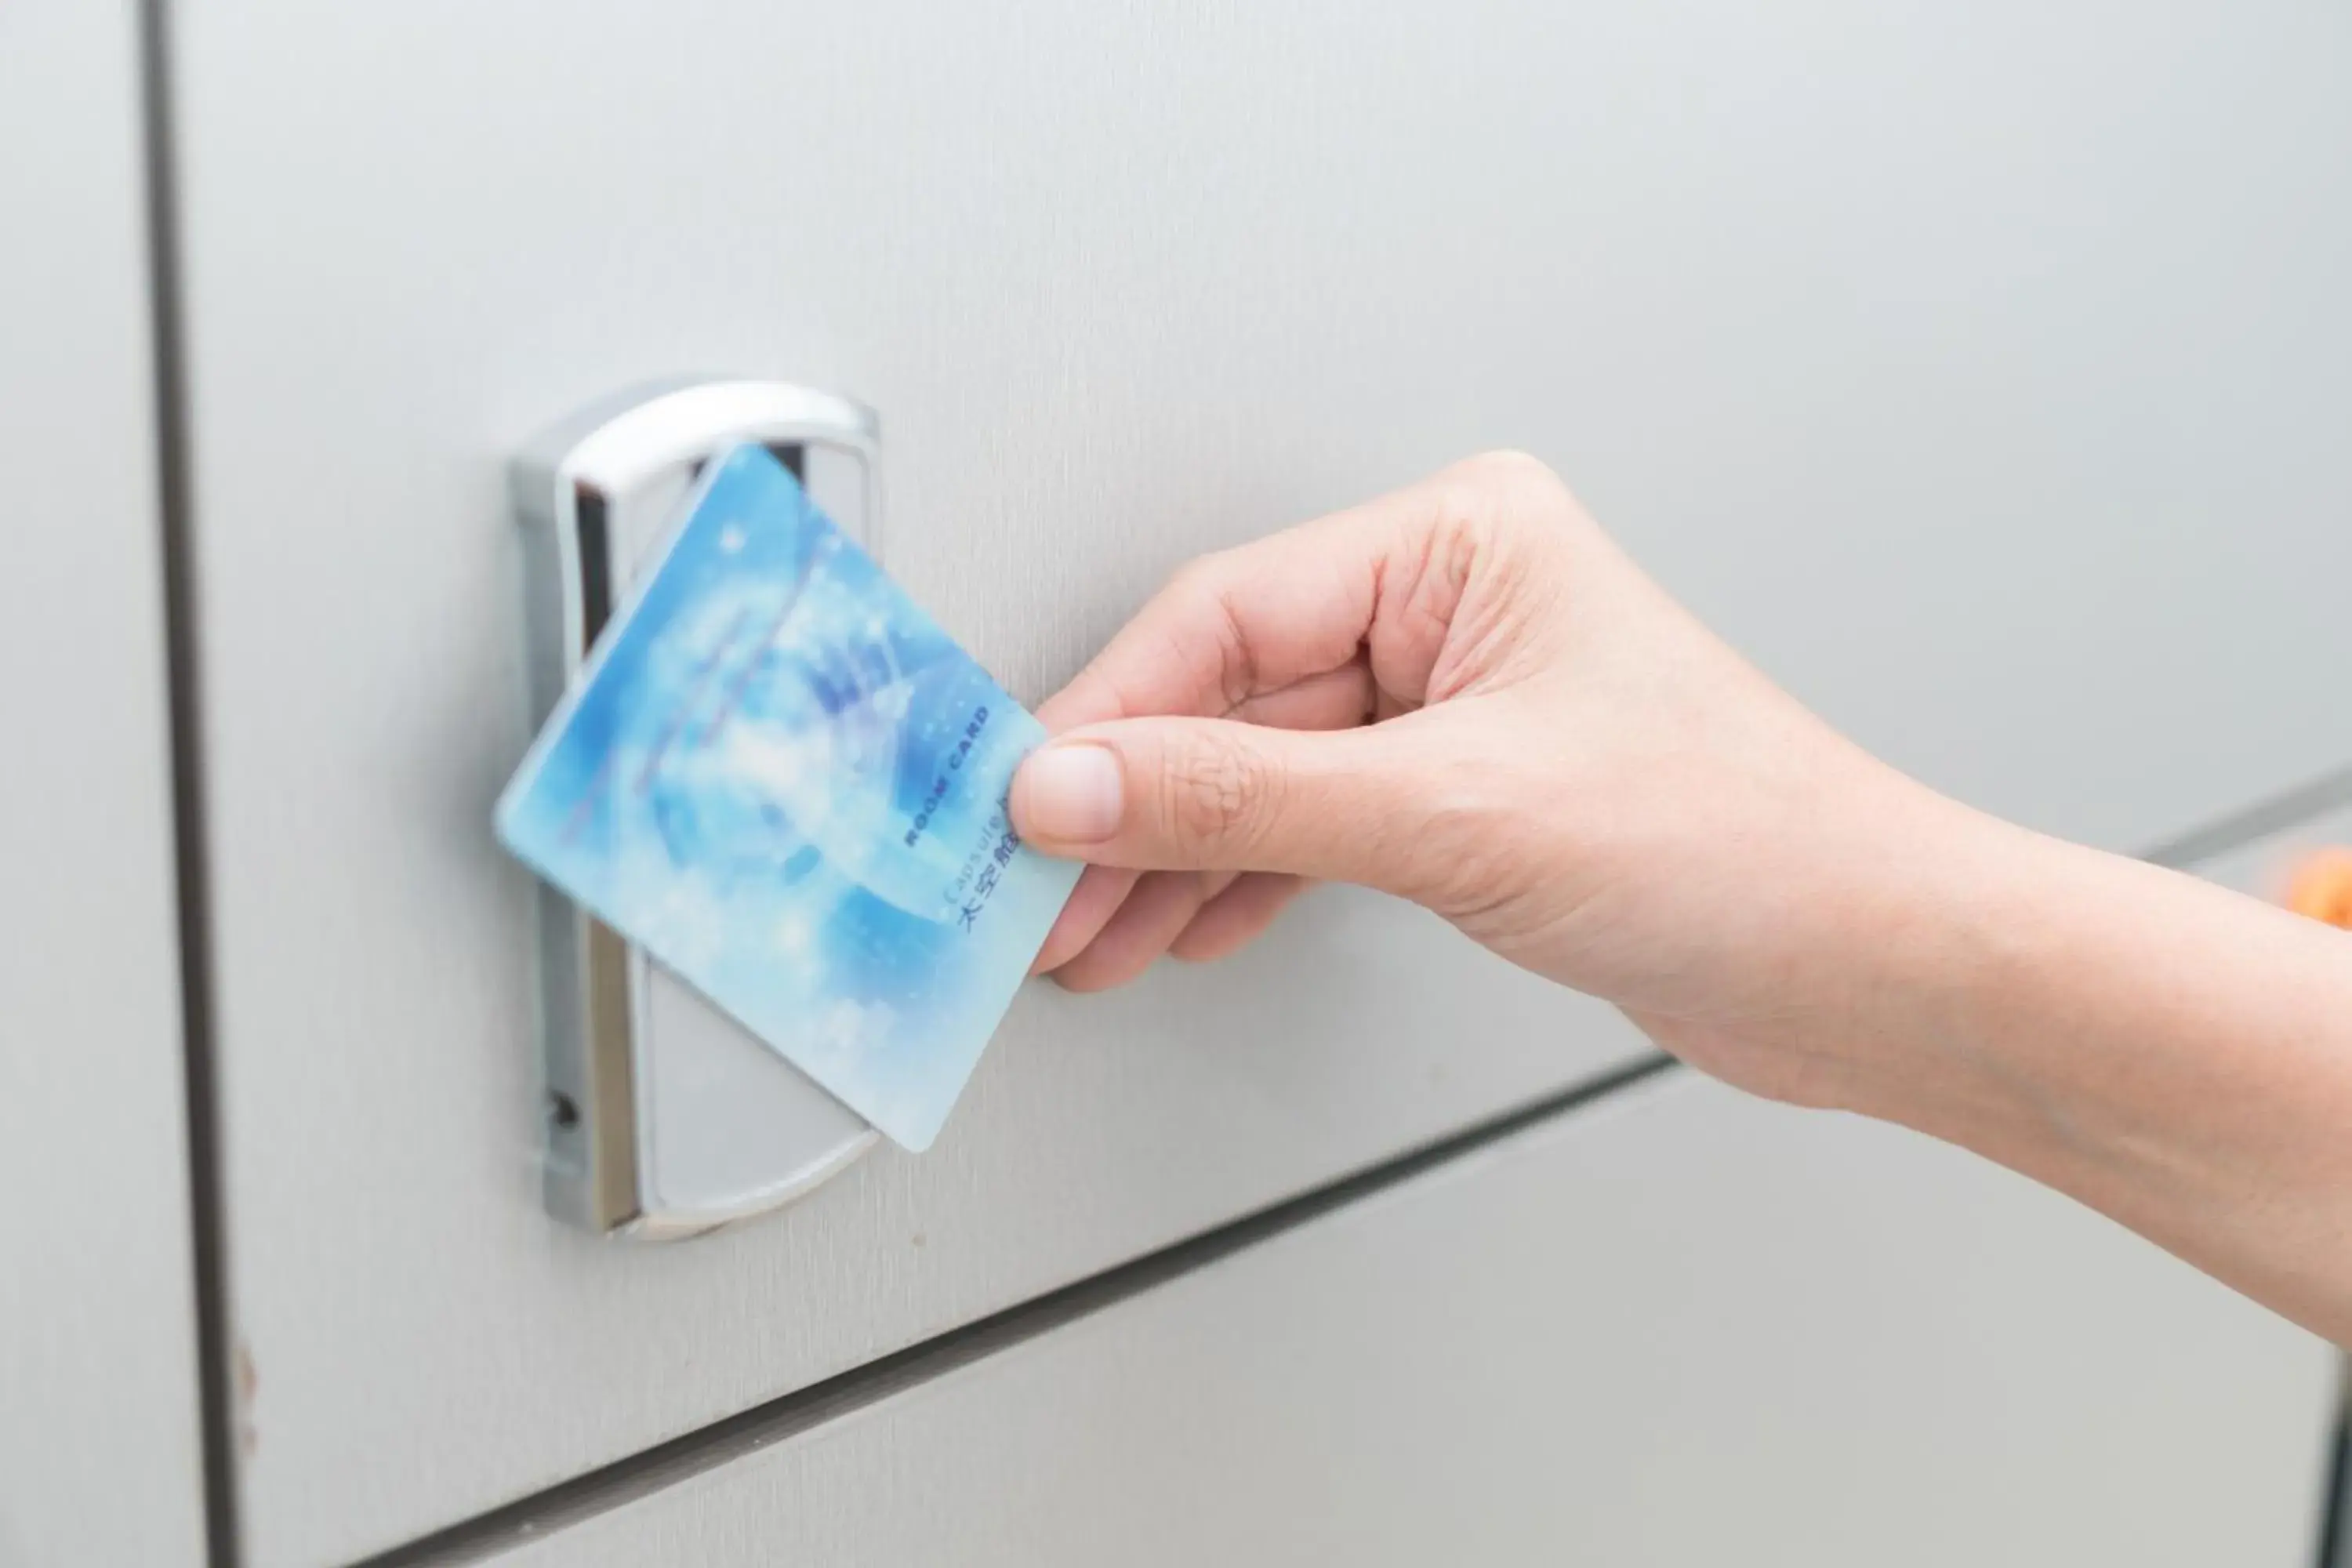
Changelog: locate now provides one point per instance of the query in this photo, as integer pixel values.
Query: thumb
(1217, 794)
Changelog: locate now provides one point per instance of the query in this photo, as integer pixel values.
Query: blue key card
(787, 783)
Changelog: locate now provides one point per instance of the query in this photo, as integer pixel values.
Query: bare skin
(1464, 694)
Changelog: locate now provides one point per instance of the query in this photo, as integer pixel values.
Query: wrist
(1955, 931)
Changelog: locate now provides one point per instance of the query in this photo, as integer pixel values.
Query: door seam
(184, 702)
(578, 1498)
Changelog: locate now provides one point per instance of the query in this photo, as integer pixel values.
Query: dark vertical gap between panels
(184, 689)
(2332, 1550)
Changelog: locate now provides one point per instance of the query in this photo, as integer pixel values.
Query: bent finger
(1162, 904)
(1236, 917)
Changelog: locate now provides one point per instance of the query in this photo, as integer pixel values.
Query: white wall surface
(1983, 371)
(99, 1454)
(1680, 1328)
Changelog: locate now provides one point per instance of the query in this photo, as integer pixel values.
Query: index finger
(1255, 619)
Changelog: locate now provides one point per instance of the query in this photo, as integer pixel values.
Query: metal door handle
(664, 1118)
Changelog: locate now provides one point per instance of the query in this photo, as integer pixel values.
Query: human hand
(1465, 695)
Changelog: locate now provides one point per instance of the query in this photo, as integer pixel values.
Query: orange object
(2322, 887)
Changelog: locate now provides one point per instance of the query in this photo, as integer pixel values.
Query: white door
(98, 1434)
(1679, 1327)
(1982, 372)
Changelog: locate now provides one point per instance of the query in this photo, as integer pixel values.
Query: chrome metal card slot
(664, 1118)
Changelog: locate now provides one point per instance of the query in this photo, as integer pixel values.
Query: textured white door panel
(98, 1438)
(1983, 371)
(1680, 1328)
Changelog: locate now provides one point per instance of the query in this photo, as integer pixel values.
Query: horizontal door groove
(2276, 814)
(624, 1481)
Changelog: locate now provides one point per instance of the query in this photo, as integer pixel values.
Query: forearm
(2174, 1054)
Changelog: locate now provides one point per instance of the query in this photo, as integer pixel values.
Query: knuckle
(1469, 841)
(1509, 484)
(1216, 792)
(1202, 576)
(1512, 470)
